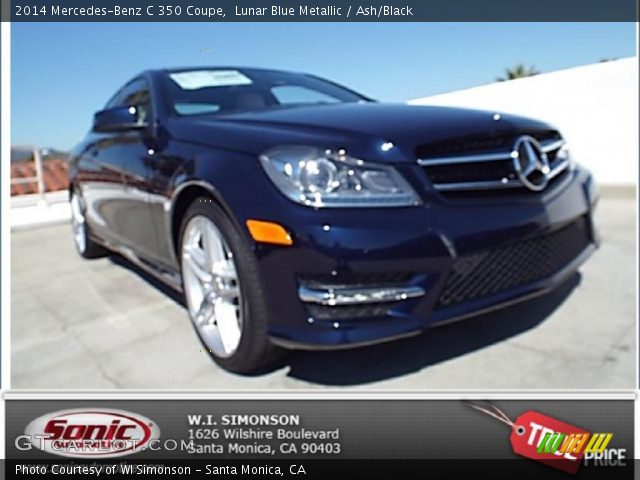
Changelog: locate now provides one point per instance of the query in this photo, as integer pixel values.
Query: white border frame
(329, 394)
(5, 156)
(311, 395)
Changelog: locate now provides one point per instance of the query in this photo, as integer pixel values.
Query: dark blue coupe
(293, 212)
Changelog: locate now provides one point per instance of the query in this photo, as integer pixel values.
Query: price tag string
(496, 413)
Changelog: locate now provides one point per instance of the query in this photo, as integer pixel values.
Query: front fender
(234, 180)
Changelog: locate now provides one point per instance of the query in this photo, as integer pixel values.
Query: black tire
(87, 248)
(254, 351)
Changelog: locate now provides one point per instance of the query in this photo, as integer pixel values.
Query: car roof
(218, 67)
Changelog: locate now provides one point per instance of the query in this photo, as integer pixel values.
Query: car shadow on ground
(147, 277)
(395, 359)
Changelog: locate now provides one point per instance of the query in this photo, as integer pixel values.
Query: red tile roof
(54, 172)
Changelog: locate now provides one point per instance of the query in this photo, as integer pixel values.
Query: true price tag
(545, 439)
(530, 430)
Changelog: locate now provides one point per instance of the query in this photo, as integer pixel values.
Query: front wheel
(222, 289)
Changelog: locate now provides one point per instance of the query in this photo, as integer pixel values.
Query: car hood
(361, 128)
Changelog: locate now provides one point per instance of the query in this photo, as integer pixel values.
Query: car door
(100, 180)
(127, 152)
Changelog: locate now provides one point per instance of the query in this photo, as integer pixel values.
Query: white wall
(594, 106)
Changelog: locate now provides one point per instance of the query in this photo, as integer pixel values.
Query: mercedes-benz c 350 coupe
(293, 212)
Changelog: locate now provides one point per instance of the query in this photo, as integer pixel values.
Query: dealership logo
(530, 163)
(555, 443)
(91, 433)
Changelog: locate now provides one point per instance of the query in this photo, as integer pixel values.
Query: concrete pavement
(104, 324)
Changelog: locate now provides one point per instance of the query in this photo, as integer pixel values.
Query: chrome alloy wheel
(211, 286)
(77, 224)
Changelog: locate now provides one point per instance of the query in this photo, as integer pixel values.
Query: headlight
(318, 178)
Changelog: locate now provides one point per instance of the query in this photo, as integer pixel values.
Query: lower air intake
(497, 270)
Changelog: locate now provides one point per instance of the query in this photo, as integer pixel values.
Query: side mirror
(117, 119)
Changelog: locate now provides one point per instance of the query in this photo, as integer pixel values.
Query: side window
(113, 101)
(290, 94)
(134, 94)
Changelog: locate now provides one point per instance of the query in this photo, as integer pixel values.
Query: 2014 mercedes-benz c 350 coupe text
(293, 212)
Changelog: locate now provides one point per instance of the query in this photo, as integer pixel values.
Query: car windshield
(219, 91)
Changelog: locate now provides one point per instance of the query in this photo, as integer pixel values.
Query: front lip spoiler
(294, 345)
(335, 296)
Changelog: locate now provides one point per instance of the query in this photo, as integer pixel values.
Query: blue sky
(62, 72)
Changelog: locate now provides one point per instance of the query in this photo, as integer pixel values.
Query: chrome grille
(484, 164)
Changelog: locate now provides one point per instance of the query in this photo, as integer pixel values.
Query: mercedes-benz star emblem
(530, 163)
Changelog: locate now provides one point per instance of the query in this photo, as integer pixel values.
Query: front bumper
(357, 277)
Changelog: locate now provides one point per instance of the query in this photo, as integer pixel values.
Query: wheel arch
(183, 197)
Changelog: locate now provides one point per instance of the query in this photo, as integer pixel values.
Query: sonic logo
(91, 433)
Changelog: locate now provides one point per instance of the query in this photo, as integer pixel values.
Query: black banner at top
(320, 11)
